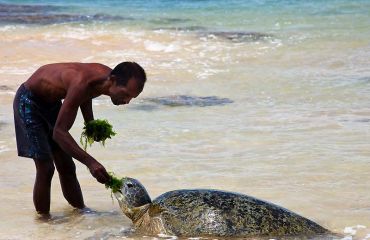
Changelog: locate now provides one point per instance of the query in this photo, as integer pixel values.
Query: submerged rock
(233, 36)
(184, 28)
(57, 18)
(46, 14)
(16, 9)
(185, 100)
(238, 36)
(167, 20)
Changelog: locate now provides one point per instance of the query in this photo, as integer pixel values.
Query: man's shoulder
(80, 66)
(91, 70)
(97, 67)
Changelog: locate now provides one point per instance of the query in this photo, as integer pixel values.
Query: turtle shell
(204, 212)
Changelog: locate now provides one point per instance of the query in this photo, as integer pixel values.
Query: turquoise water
(225, 15)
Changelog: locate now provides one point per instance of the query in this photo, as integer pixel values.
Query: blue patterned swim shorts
(34, 123)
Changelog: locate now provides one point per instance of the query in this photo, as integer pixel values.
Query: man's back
(51, 82)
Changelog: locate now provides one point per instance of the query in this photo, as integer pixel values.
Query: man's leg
(41, 191)
(68, 179)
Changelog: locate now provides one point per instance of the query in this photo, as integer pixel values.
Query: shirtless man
(42, 121)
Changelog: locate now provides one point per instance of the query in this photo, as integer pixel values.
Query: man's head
(128, 82)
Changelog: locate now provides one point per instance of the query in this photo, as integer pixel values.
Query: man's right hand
(99, 172)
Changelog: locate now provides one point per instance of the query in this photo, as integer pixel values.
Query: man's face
(123, 94)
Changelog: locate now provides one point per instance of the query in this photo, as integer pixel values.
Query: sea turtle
(206, 212)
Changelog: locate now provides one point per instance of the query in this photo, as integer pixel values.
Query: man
(42, 121)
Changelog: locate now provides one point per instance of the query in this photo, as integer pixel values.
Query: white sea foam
(4, 148)
(88, 59)
(16, 71)
(208, 72)
(167, 236)
(349, 230)
(97, 43)
(134, 36)
(121, 54)
(159, 47)
(102, 101)
(353, 229)
(9, 28)
(80, 34)
(7, 93)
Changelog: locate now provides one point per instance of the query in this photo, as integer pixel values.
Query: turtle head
(131, 197)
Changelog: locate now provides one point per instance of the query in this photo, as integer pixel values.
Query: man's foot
(86, 210)
(43, 217)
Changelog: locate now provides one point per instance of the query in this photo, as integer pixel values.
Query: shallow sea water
(266, 98)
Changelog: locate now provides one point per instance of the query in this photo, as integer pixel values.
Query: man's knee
(64, 165)
(67, 170)
(44, 168)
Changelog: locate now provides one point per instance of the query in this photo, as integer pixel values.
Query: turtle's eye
(129, 185)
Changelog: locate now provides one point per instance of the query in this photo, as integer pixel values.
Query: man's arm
(87, 112)
(65, 120)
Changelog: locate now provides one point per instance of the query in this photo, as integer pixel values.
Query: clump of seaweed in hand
(96, 131)
(114, 183)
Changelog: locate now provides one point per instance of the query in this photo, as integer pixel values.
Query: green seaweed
(96, 131)
(114, 183)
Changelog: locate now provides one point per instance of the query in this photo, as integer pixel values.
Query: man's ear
(113, 79)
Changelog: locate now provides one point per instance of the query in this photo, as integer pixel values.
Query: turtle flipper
(150, 221)
(154, 210)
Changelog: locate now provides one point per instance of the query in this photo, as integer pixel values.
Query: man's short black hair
(127, 70)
